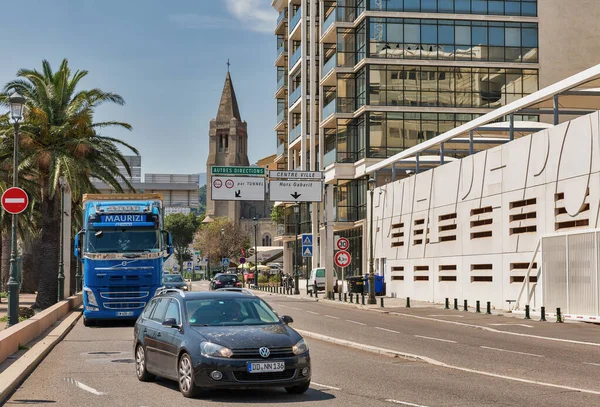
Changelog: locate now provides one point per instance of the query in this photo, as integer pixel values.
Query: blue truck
(122, 248)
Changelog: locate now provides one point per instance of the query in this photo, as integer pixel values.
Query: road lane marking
(84, 387)
(312, 312)
(331, 316)
(404, 403)
(512, 351)
(406, 355)
(325, 386)
(485, 328)
(282, 306)
(434, 339)
(297, 309)
(527, 326)
(387, 330)
(593, 364)
(355, 322)
(453, 316)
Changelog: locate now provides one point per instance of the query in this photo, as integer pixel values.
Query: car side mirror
(287, 319)
(170, 322)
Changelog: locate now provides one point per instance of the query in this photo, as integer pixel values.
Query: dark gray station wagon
(210, 340)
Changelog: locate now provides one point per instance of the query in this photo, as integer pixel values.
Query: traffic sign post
(342, 258)
(237, 188)
(296, 191)
(14, 200)
(343, 244)
(307, 245)
(237, 171)
(242, 260)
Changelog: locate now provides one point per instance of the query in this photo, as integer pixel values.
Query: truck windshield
(122, 240)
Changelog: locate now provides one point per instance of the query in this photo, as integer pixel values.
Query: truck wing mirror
(168, 242)
(77, 244)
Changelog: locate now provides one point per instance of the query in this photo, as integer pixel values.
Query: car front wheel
(140, 365)
(300, 389)
(187, 387)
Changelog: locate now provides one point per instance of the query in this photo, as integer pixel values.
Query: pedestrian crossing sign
(307, 240)
(307, 251)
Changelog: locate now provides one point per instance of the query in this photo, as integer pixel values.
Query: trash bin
(355, 284)
(379, 284)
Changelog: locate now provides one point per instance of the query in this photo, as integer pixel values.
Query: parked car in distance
(316, 281)
(174, 281)
(209, 340)
(224, 280)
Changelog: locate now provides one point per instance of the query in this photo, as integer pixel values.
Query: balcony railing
(329, 65)
(295, 95)
(280, 49)
(280, 17)
(344, 105)
(329, 158)
(281, 149)
(295, 56)
(295, 133)
(286, 229)
(281, 116)
(329, 109)
(295, 19)
(281, 82)
(330, 20)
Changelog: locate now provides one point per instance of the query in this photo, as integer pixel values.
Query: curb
(14, 375)
(369, 348)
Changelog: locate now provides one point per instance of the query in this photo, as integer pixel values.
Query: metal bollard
(527, 316)
(407, 302)
(543, 312)
(316, 293)
(558, 315)
(381, 299)
(447, 303)
(351, 298)
(456, 304)
(310, 294)
(477, 307)
(466, 306)
(489, 308)
(357, 298)
(345, 297)
(340, 296)
(363, 299)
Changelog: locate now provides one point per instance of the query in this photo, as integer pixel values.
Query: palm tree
(59, 139)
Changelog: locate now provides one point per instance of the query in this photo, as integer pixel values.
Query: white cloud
(197, 21)
(256, 15)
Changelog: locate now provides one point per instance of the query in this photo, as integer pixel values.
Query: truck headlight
(300, 347)
(91, 298)
(214, 350)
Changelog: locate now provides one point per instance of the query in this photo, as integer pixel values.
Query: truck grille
(252, 353)
(124, 295)
(252, 377)
(124, 305)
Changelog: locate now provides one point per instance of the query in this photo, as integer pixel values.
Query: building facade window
(485, 7)
(266, 240)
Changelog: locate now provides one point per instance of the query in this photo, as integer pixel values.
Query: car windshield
(172, 278)
(227, 279)
(122, 240)
(229, 312)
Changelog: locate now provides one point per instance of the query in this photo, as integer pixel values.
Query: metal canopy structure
(574, 96)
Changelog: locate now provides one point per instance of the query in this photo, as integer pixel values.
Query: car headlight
(300, 347)
(91, 298)
(214, 350)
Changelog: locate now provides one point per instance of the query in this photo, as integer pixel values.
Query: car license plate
(125, 313)
(228, 285)
(264, 367)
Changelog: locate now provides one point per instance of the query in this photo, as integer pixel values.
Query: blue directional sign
(307, 245)
(225, 263)
(196, 268)
(307, 251)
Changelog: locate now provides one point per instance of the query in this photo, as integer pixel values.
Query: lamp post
(255, 219)
(61, 264)
(17, 103)
(372, 299)
(296, 276)
(222, 237)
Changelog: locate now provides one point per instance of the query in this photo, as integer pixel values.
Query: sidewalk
(25, 300)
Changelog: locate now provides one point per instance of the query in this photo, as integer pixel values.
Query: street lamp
(222, 237)
(372, 299)
(255, 219)
(17, 103)
(296, 276)
(61, 266)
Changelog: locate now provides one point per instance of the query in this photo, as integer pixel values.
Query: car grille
(252, 377)
(251, 353)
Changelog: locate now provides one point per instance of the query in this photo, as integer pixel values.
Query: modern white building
(359, 82)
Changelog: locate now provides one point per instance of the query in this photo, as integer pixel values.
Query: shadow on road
(245, 396)
(125, 323)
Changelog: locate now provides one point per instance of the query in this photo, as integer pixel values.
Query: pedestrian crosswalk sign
(307, 251)
(307, 240)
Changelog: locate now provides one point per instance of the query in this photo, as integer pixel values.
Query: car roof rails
(170, 290)
(236, 290)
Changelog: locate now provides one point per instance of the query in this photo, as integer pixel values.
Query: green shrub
(3, 295)
(275, 279)
(263, 279)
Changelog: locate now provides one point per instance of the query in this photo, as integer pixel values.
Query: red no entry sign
(14, 200)
(342, 258)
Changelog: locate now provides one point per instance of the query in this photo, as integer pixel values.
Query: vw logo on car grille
(264, 352)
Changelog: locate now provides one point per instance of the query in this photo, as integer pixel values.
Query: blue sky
(166, 58)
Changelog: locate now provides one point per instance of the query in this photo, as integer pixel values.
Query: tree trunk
(49, 248)
(31, 265)
(5, 262)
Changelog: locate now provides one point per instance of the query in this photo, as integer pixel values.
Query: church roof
(228, 107)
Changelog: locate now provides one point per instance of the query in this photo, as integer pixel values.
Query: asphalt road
(94, 367)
